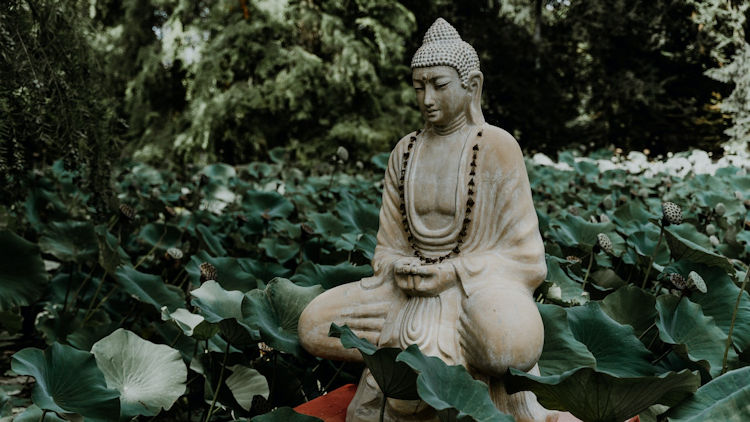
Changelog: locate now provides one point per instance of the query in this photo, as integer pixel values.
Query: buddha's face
(440, 95)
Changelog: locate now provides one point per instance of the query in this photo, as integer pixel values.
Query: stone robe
(486, 319)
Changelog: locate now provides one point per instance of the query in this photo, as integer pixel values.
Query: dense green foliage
(210, 268)
(230, 80)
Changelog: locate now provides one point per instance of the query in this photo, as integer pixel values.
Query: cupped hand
(424, 280)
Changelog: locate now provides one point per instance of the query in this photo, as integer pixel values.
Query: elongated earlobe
(475, 104)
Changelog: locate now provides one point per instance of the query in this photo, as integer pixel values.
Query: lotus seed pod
(127, 211)
(714, 240)
(573, 259)
(604, 218)
(174, 253)
(671, 213)
(710, 229)
(342, 153)
(604, 242)
(695, 280)
(678, 281)
(738, 195)
(360, 165)
(720, 209)
(608, 203)
(208, 271)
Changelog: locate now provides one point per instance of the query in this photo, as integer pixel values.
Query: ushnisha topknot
(442, 46)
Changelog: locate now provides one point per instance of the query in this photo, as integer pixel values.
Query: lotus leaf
(724, 399)
(571, 291)
(34, 414)
(67, 381)
(616, 349)
(149, 288)
(266, 205)
(632, 306)
(329, 276)
(70, 241)
(220, 172)
(231, 273)
(22, 274)
(279, 251)
(395, 379)
(149, 376)
(275, 312)
(213, 243)
(683, 248)
(561, 351)
(450, 389)
(695, 336)
(595, 396)
(574, 231)
(160, 236)
(192, 325)
(246, 383)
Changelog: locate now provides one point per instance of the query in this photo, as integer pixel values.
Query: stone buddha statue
(458, 253)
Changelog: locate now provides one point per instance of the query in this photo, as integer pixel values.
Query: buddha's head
(446, 77)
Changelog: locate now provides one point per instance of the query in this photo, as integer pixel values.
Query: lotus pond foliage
(184, 304)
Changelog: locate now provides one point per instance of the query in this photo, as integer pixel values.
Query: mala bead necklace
(469, 204)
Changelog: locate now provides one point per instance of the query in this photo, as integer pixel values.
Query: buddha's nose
(429, 97)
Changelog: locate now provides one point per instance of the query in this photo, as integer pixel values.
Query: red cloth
(332, 406)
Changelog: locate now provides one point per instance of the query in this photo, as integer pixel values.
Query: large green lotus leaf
(285, 414)
(192, 325)
(246, 383)
(266, 205)
(230, 273)
(631, 305)
(571, 292)
(160, 236)
(67, 381)
(278, 250)
(380, 160)
(149, 288)
(574, 231)
(683, 248)
(22, 274)
(213, 243)
(217, 304)
(147, 175)
(595, 396)
(224, 308)
(149, 376)
(724, 399)
(718, 302)
(70, 241)
(263, 271)
(632, 216)
(220, 172)
(395, 379)
(334, 230)
(617, 350)
(644, 243)
(275, 312)
(329, 276)
(695, 336)
(450, 390)
(286, 229)
(362, 215)
(561, 351)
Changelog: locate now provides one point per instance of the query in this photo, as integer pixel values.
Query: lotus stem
(647, 330)
(653, 256)
(588, 270)
(96, 294)
(44, 413)
(156, 245)
(218, 384)
(731, 325)
(382, 408)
